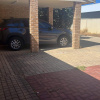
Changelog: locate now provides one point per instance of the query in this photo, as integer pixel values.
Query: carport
(11, 8)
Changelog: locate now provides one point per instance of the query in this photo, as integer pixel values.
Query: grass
(87, 33)
(82, 68)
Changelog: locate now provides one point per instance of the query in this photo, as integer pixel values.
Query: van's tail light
(2, 29)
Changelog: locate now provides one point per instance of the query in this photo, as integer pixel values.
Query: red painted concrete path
(93, 71)
(70, 84)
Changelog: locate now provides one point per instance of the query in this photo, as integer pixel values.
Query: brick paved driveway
(48, 75)
(68, 85)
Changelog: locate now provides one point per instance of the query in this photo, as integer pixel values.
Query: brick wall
(50, 15)
(76, 26)
(19, 11)
(34, 31)
(16, 11)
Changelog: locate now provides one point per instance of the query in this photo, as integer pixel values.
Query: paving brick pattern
(67, 85)
(41, 76)
(24, 63)
(13, 86)
(93, 71)
(15, 66)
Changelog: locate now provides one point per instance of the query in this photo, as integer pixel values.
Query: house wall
(90, 22)
(16, 11)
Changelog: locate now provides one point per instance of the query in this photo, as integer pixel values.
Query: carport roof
(47, 3)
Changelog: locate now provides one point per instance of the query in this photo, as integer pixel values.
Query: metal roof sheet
(91, 8)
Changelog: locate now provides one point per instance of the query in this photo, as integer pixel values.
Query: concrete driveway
(87, 55)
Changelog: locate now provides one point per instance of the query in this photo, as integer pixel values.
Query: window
(21, 24)
(44, 25)
(26, 22)
(13, 24)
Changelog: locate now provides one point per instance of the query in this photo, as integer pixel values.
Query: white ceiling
(46, 3)
(61, 3)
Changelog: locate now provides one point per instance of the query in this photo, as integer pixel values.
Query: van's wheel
(16, 43)
(63, 41)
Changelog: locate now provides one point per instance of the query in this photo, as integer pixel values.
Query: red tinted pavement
(71, 84)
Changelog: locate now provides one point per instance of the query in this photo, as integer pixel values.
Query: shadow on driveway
(49, 77)
(66, 85)
(85, 43)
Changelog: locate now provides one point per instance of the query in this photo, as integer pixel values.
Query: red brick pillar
(50, 15)
(34, 32)
(76, 26)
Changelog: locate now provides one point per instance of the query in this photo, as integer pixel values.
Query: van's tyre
(63, 41)
(16, 43)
